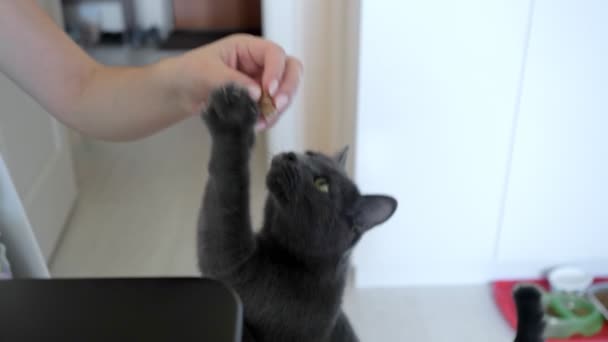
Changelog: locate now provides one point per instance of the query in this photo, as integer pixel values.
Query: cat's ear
(372, 210)
(341, 156)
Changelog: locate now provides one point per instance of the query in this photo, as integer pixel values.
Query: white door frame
(325, 36)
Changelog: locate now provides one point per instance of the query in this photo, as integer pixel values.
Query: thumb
(233, 76)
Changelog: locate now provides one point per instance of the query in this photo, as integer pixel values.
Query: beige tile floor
(136, 216)
(138, 204)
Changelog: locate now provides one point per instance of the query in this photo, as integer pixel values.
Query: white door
(36, 150)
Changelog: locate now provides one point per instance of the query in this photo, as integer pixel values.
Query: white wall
(487, 119)
(556, 207)
(438, 84)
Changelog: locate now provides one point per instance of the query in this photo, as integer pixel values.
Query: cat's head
(320, 210)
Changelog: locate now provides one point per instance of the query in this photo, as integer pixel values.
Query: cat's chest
(291, 303)
(281, 284)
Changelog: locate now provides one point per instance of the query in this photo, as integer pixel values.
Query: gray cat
(290, 276)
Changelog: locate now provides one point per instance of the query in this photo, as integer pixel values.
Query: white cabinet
(557, 201)
(23, 251)
(37, 154)
(36, 151)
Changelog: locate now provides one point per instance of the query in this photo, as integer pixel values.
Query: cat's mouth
(283, 178)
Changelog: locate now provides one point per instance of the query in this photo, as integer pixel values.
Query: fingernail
(273, 87)
(260, 126)
(280, 102)
(255, 92)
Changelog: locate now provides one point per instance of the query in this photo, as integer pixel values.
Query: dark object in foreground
(530, 314)
(142, 309)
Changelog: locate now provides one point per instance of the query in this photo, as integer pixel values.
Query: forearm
(124, 103)
(105, 102)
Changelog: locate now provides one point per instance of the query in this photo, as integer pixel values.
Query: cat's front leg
(225, 237)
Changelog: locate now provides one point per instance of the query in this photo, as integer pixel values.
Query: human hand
(249, 61)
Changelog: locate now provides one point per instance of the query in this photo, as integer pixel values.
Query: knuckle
(297, 64)
(277, 49)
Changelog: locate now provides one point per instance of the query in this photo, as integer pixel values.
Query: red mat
(503, 296)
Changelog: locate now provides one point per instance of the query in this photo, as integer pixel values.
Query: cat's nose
(291, 157)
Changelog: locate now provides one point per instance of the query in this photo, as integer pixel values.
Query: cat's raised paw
(230, 109)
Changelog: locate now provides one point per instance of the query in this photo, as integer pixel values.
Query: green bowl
(570, 314)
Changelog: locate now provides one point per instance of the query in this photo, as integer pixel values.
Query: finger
(247, 64)
(286, 92)
(274, 66)
(271, 58)
(289, 83)
(260, 126)
(264, 124)
(272, 121)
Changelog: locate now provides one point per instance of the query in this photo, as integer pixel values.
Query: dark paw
(526, 292)
(230, 109)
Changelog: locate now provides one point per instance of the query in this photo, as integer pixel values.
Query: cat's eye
(322, 184)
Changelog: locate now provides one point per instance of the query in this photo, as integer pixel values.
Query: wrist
(180, 87)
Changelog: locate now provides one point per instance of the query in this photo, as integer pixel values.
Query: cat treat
(267, 108)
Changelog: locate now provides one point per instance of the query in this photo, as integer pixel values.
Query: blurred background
(486, 119)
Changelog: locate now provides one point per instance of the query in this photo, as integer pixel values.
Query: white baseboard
(535, 269)
(420, 273)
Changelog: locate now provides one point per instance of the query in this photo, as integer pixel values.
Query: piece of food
(267, 108)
